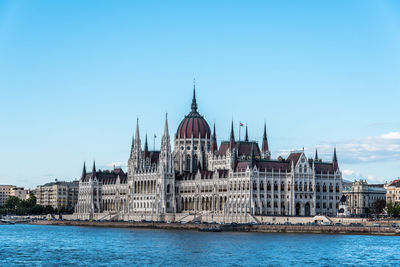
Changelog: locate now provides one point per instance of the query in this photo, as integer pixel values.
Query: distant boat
(4, 221)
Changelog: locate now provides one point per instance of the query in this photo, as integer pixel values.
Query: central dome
(193, 125)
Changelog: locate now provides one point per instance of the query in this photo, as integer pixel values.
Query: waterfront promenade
(262, 228)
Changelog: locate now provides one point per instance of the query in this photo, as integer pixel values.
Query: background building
(10, 190)
(58, 194)
(393, 191)
(361, 197)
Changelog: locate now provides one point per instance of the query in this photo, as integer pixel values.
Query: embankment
(316, 229)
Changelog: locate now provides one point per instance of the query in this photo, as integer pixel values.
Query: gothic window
(262, 185)
(168, 188)
(254, 186)
(318, 189)
(296, 187)
(310, 187)
(195, 163)
(337, 188)
(268, 186)
(330, 188)
(275, 186)
(188, 163)
(282, 186)
(324, 188)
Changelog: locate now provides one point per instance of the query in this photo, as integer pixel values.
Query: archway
(307, 210)
(297, 209)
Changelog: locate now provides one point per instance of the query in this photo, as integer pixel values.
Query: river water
(36, 245)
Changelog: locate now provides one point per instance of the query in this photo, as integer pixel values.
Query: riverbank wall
(261, 228)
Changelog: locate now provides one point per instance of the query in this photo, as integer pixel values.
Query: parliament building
(199, 179)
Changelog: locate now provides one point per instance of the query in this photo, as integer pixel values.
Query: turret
(232, 139)
(214, 146)
(94, 170)
(83, 171)
(165, 153)
(335, 161)
(265, 148)
(316, 155)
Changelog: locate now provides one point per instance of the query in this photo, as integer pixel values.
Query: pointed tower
(252, 156)
(265, 148)
(214, 146)
(316, 155)
(232, 139)
(136, 153)
(94, 170)
(166, 151)
(83, 171)
(194, 103)
(246, 137)
(334, 160)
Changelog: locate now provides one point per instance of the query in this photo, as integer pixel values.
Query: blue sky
(74, 75)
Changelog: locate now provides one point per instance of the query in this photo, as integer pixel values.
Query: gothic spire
(246, 137)
(232, 139)
(265, 147)
(334, 156)
(166, 133)
(146, 147)
(316, 154)
(194, 103)
(94, 169)
(84, 171)
(232, 133)
(137, 136)
(214, 140)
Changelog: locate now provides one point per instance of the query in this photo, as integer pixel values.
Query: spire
(94, 169)
(265, 147)
(214, 146)
(84, 171)
(334, 156)
(166, 133)
(232, 133)
(137, 137)
(146, 147)
(316, 155)
(194, 103)
(232, 139)
(246, 137)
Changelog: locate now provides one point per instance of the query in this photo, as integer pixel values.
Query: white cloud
(391, 136)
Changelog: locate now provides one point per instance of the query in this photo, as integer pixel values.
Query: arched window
(261, 185)
(268, 186)
(195, 163)
(275, 186)
(337, 188)
(318, 189)
(330, 187)
(283, 186)
(168, 188)
(324, 188)
(188, 163)
(296, 187)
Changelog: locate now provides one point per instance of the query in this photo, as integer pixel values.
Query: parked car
(287, 223)
(376, 224)
(339, 224)
(326, 223)
(395, 225)
(356, 224)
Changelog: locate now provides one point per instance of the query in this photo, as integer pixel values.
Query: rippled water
(67, 245)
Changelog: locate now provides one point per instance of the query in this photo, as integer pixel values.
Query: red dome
(193, 125)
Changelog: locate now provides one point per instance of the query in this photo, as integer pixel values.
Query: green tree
(12, 203)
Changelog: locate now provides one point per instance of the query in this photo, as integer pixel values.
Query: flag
(241, 124)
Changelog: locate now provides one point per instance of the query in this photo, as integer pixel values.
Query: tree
(12, 203)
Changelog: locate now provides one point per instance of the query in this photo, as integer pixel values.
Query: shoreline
(255, 228)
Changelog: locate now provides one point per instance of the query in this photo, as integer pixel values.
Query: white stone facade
(234, 181)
